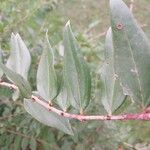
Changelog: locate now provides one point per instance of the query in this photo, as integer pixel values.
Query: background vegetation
(90, 19)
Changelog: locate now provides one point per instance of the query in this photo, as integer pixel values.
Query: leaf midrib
(77, 74)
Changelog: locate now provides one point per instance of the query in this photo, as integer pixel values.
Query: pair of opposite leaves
(47, 80)
(131, 50)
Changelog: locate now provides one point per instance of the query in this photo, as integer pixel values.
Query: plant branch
(26, 136)
(10, 116)
(45, 104)
(11, 86)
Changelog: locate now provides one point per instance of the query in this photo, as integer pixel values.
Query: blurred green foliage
(32, 18)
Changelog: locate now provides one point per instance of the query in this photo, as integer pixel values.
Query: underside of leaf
(46, 117)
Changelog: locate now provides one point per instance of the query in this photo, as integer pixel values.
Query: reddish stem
(142, 116)
(139, 116)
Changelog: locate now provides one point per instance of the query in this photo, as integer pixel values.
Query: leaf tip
(68, 23)
(117, 4)
(18, 36)
(12, 34)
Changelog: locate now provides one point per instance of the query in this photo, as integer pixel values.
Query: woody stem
(80, 117)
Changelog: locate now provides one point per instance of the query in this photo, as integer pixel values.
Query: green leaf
(76, 72)
(16, 94)
(19, 81)
(131, 53)
(112, 95)
(46, 117)
(5, 93)
(62, 98)
(33, 144)
(124, 107)
(1, 72)
(17, 143)
(47, 84)
(19, 60)
(24, 143)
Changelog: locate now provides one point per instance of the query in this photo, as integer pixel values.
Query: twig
(18, 103)
(97, 36)
(104, 33)
(10, 116)
(26, 136)
(11, 86)
(129, 145)
(142, 116)
(45, 104)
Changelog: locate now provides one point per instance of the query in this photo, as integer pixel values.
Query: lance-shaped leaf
(46, 117)
(131, 53)
(47, 84)
(112, 95)
(19, 81)
(76, 71)
(19, 60)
